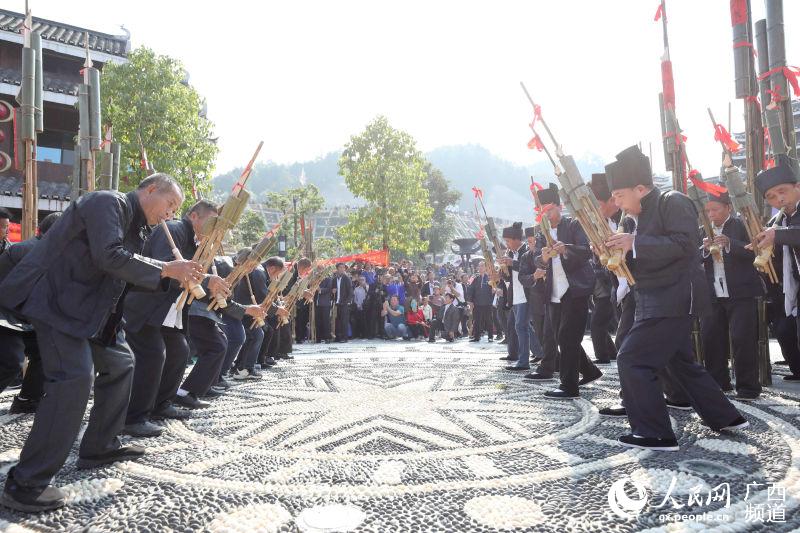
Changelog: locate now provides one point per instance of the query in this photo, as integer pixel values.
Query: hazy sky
(305, 75)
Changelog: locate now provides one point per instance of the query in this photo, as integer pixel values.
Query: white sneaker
(241, 375)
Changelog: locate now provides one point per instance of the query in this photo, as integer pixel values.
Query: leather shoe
(214, 392)
(517, 368)
(190, 401)
(474, 340)
(613, 411)
(599, 362)
(536, 376)
(123, 453)
(22, 406)
(142, 429)
(509, 358)
(31, 499)
(171, 412)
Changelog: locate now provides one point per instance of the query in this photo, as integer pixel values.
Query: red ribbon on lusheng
(790, 73)
(722, 135)
(776, 96)
(536, 143)
(767, 144)
(738, 12)
(754, 100)
(479, 234)
(668, 83)
(742, 44)
(659, 12)
(711, 188)
(537, 115)
(540, 211)
(678, 137)
(477, 192)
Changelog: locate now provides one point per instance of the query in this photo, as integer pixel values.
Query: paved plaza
(407, 436)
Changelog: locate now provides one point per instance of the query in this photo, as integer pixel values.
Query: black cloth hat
(631, 168)
(599, 185)
(530, 232)
(550, 195)
(714, 196)
(778, 175)
(513, 231)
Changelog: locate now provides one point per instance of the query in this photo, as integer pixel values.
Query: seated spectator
(395, 319)
(415, 318)
(447, 321)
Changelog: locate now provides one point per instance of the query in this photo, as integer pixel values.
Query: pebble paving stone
(409, 436)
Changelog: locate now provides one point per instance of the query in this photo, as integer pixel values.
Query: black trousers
(323, 319)
(482, 321)
(372, 320)
(359, 323)
(499, 317)
(284, 340)
(512, 347)
(72, 367)
(538, 327)
(301, 322)
(737, 317)
(568, 320)
(342, 321)
(210, 344)
(665, 343)
(602, 317)
(14, 346)
(160, 354)
(626, 317)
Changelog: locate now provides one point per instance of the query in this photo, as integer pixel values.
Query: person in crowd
(396, 288)
(448, 323)
(17, 337)
(324, 303)
(480, 297)
(430, 283)
(395, 319)
(415, 320)
(517, 297)
(5, 223)
(342, 295)
(413, 289)
(360, 304)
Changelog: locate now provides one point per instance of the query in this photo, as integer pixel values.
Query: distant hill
(505, 184)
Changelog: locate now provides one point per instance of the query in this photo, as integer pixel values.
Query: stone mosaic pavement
(396, 436)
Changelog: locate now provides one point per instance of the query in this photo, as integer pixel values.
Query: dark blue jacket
(575, 259)
(8, 260)
(73, 279)
(740, 275)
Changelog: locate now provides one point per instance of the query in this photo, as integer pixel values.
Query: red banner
(376, 257)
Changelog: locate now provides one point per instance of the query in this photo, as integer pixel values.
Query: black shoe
(269, 362)
(599, 362)
(213, 393)
(560, 395)
(517, 368)
(223, 384)
(431, 340)
(614, 411)
(791, 377)
(169, 411)
(739, 423)
(284, 356)
(649, 443)
(536, 376)
(536, 360)
(123, 453)
(587, 380)
(746, 397)
(190, 401)
(31, 499)
(142, 429)
(509, 358)
(23, 406)
(679, 406)
(474, 340)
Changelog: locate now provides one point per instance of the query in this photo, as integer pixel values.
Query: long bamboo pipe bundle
(194, 288)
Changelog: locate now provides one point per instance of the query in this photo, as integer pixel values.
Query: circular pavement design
(401, 436)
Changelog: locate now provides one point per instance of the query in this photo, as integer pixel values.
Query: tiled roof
(12, 186)
(51, 83)
(66, 34)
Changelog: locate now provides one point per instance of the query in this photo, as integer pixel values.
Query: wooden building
(63, 52)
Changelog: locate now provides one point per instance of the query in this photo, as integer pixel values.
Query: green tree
(327, 248)
(152, 107)
(294, 203)
(440, 197)
(383, 166)
(249, 230)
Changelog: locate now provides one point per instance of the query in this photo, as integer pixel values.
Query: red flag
(668, 83)
(738, 12)
(477, 192)
(14, 232)
(659, 12)
(536, 143)
(722, 135)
